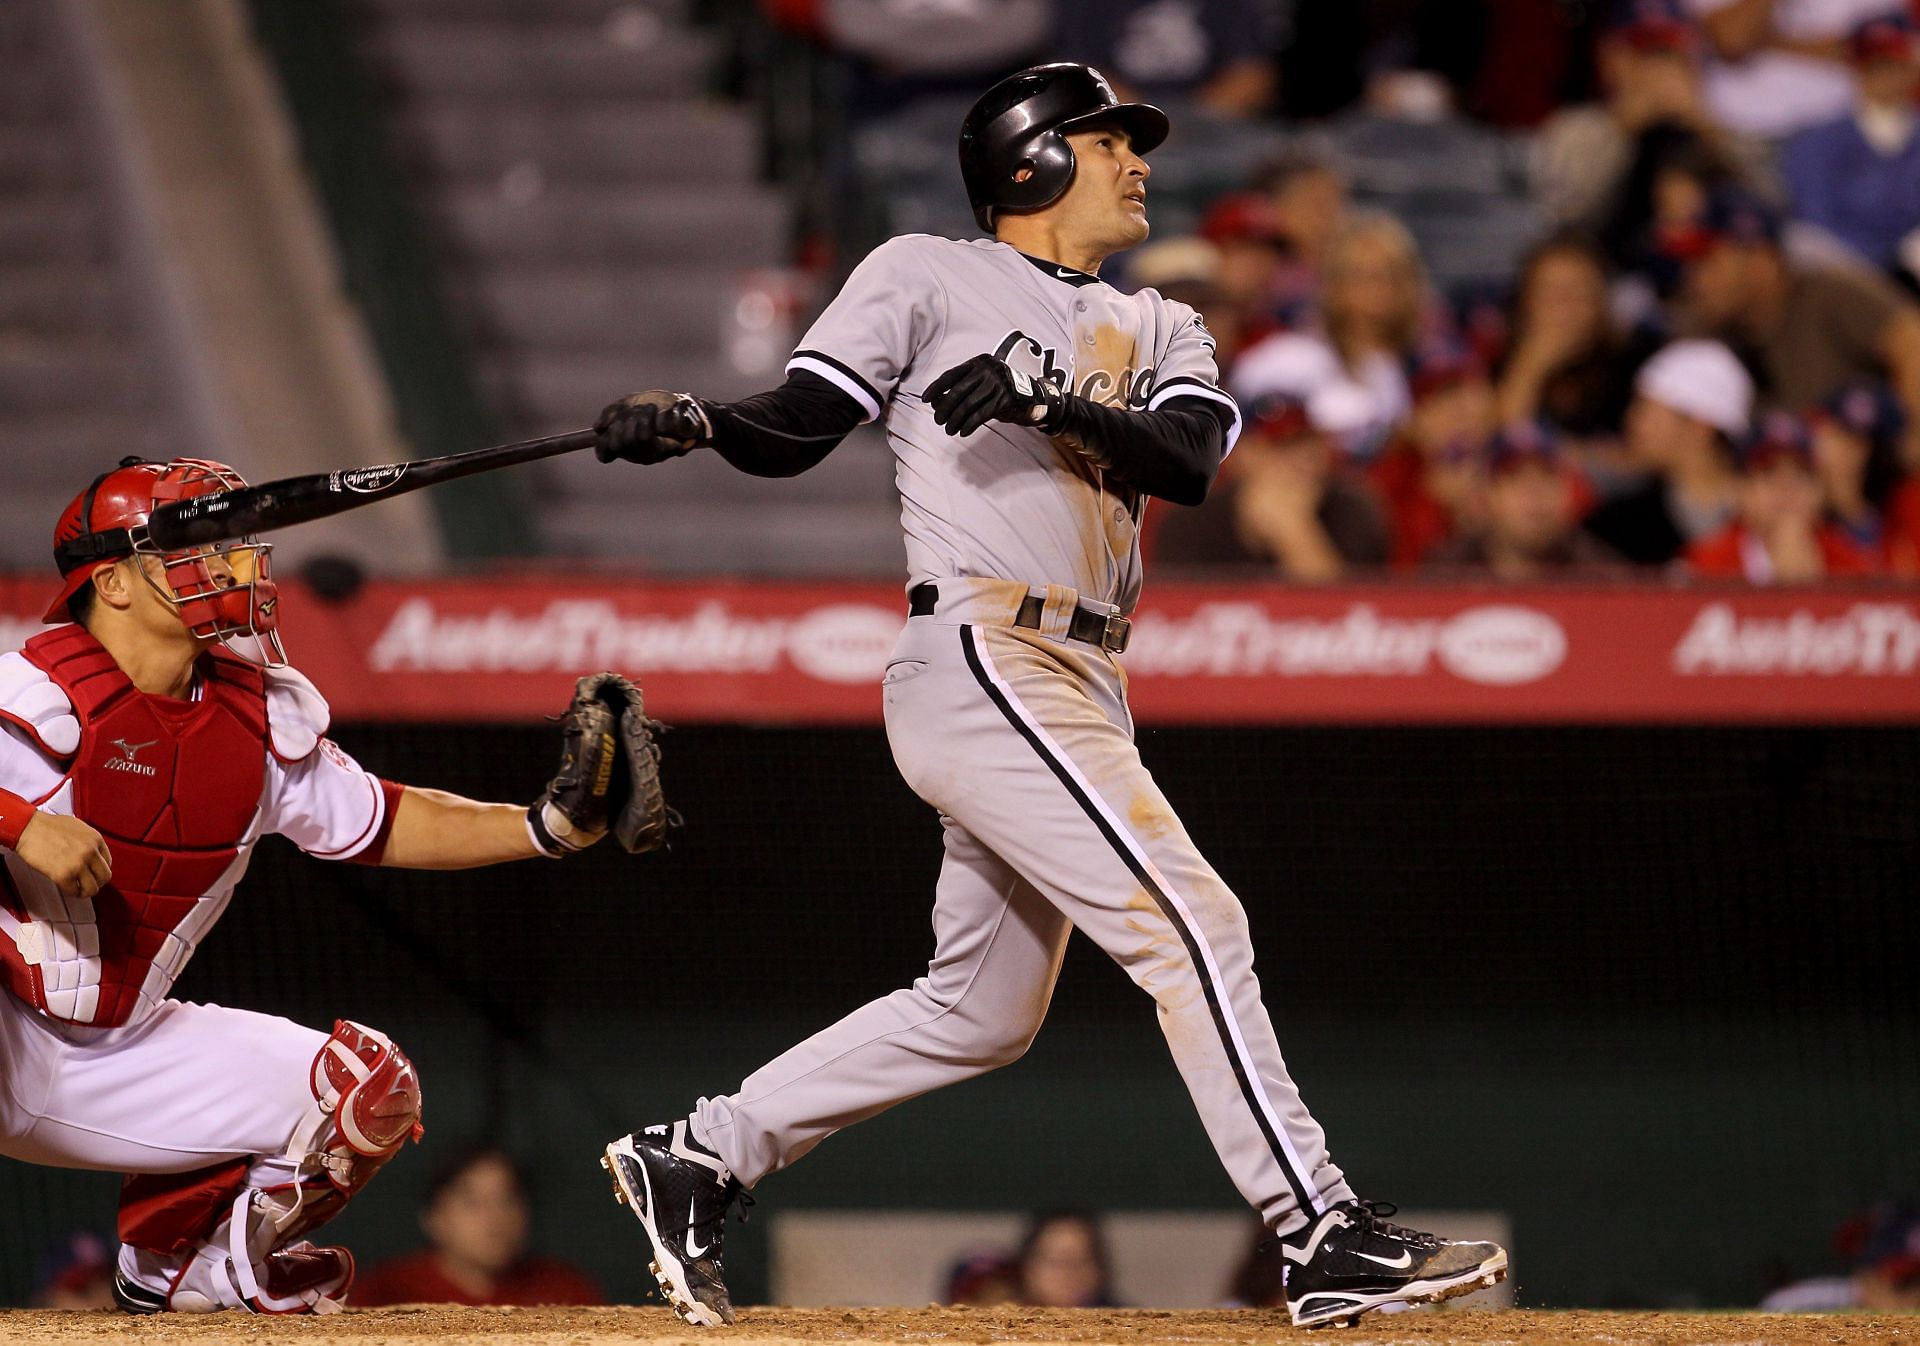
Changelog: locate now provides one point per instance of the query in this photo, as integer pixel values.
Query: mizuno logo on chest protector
(128, 760)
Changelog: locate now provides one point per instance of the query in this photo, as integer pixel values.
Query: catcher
(145, 745)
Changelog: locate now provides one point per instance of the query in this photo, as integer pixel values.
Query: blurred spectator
(475, 1215)
(1859, 177)
(1260, 1281)
(1372, 318)
(1810, 329)
(1430, 474)
(76, 1276)
(1882, 1246)
(1253, 255)
(1856, 439)
(1192, 271)
(1781, 535)
(1675, 173)
(1212, 54)
(1309, 199)
(1565, 363)
(1597, 164)
(1903, 529)
(1777, 65)
(1531, 527)
(1283, 503)
(1857, 436)
(1692, 402)
(1063, 1263)
(983, 1280)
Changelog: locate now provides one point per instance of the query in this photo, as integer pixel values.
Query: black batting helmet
(1020, 124)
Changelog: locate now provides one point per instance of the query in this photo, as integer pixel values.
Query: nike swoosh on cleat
(693, 1250)
(1401, 1263)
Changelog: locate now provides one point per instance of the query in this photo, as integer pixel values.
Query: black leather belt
(1107, 630)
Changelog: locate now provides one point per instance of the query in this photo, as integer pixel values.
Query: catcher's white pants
(1025, 746)
(188, 1086)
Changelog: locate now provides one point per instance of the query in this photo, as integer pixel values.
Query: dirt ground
(972, 1327)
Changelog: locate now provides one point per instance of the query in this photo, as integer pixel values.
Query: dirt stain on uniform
(1159, 965)
(1150, 818)
(1105, 367)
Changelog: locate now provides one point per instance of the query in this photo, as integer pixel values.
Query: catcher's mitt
(609, 777)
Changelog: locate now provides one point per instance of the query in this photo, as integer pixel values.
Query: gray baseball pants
(1023, 741)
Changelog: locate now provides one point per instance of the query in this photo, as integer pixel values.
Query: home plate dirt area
(931, 1326)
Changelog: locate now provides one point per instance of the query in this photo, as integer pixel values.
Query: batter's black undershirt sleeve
(1173, 452)
(784, 432)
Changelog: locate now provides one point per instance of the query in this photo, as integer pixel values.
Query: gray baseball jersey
(1007, 501)
(1021, 737)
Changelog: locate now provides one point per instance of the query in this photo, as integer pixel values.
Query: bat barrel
(229, 515)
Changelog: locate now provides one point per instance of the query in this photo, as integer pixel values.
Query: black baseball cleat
(681, 1192)
(1350, 1260)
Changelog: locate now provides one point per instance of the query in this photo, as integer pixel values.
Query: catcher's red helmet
(220, 591)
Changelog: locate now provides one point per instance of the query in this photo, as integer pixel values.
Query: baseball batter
(146, 744)
(1032, 409)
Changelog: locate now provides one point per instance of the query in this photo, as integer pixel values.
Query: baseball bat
(230, 515)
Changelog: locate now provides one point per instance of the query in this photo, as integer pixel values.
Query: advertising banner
(508, 649)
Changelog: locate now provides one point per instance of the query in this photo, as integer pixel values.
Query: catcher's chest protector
(173, 786)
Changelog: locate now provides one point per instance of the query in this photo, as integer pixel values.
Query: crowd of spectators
(1711, 363)
(1708, 361)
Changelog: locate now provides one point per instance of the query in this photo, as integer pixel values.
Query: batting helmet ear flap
(1040, 177)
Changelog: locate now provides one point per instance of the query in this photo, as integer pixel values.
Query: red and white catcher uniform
(239, 1132)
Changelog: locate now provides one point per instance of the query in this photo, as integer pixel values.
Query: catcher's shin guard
(366, 1107)
(217, 1243)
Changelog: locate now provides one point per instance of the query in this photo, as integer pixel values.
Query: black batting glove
(986, 389)
(651, 427)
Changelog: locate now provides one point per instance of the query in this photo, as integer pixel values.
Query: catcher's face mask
(221, 591)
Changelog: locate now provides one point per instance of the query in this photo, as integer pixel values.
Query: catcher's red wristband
(15, 814)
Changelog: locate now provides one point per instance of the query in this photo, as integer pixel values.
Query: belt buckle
(1118, 631)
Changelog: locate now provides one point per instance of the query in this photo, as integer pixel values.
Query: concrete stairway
(593, 214)
(79, 384)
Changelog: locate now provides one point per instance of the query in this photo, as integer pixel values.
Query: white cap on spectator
(1701, 379)
(1343, 408)
(1305, 368)
(1287, 362)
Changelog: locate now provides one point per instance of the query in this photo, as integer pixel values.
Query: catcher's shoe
(304, 1278)
(133, 1297)
(299, 1278)
(1350, 1260)
(681, 1192)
